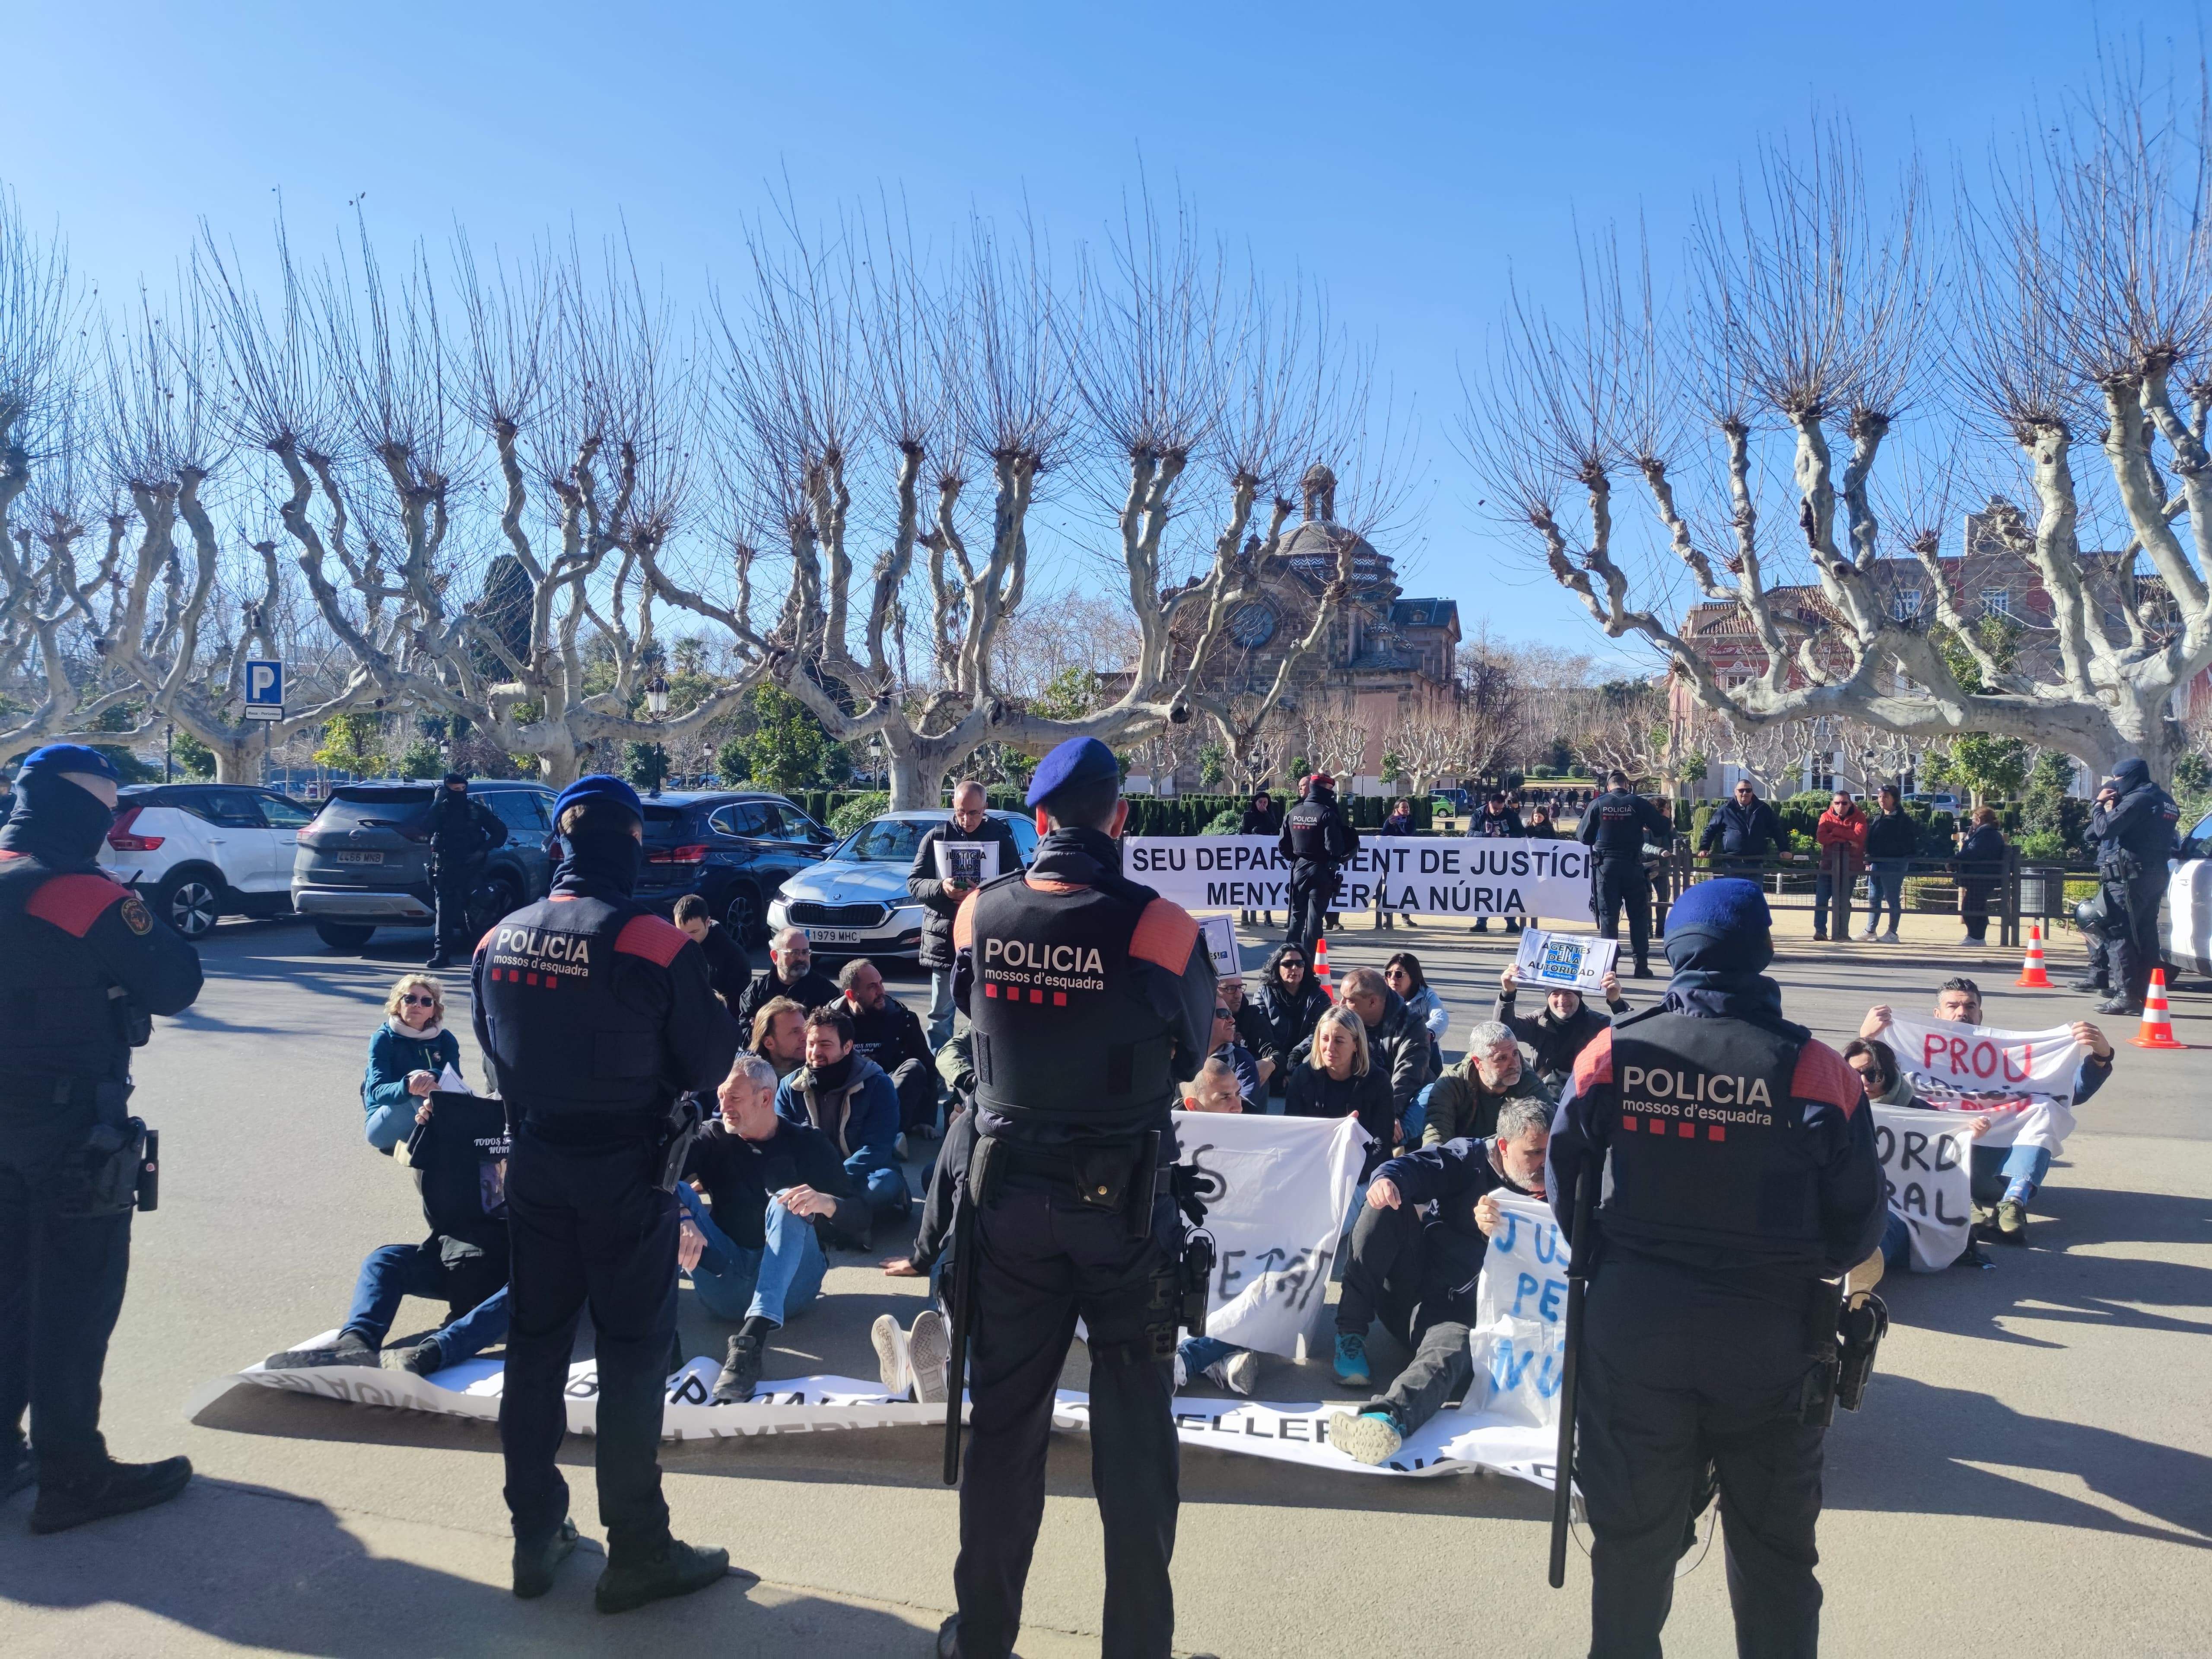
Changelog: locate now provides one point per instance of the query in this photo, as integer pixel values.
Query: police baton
(1570, 1350)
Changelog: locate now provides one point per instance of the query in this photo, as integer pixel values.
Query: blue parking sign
(264, 689)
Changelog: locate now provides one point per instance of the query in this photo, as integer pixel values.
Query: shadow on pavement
(2059, 1277)
(261, 1568)
(1912, 1448)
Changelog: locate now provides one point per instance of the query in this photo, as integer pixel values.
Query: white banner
(1287, 1183)
(1927, 1176)
(2022, 1081)
(1464, 876)
(1508, 1423)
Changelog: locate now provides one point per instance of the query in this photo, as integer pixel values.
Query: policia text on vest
(1090, 999)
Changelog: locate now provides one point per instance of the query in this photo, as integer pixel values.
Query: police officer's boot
(115, 1489)
(2120, 1002)
(675, 1569)
(536, 1563)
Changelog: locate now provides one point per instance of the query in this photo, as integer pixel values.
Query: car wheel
(189, 902)
(743, 918)
(344, 935)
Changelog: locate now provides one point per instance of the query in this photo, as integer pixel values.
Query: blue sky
(1412, 158)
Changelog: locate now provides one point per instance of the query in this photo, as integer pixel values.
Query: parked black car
(734, 848)
(365, 861)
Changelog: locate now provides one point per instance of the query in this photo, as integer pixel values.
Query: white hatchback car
(200, 851)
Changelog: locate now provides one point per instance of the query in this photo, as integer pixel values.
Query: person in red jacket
(1841, 834)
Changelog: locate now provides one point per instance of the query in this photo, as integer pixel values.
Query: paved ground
(2033, 1474)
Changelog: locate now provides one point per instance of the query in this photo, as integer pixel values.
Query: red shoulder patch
(657, 941)
(963, 925)
(1165, 934)
(1594, 1064)
(1823, 1074)
(74, 902)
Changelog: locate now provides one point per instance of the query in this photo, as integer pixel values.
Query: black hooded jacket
(69, 936)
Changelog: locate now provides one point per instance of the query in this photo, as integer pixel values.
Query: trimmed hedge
(1148, 815)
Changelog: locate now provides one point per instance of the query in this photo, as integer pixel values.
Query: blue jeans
(1417, 1116)
(2003, 1172)
(1896, 1241)
(1825, 893)
(883, 1185)
(398, 1271)
(941, 1008)
(1885, 885)
(734, 1282)
(1197, 1352)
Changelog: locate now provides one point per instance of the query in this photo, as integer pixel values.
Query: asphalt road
(2033, 1474)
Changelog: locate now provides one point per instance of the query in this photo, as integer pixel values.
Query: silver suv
(364, 863)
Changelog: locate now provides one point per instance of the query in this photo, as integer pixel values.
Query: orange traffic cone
(1320, 969)
(2031, 977)
(2157, 1024)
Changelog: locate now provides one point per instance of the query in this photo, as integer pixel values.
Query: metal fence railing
(2008, 893)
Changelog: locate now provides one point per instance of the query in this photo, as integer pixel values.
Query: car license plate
(834, 935)
(360, 858)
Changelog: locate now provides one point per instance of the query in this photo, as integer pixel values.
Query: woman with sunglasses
(406, 1056)
(1289, 1002)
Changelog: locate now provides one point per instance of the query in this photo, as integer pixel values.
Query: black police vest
(564, 1038)
(1709, 1154)
(57, 1019)
(1620, 815)
(1062, 1033)
(1307, 824)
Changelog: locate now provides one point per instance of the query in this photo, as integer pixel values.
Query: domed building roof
(1314, 547)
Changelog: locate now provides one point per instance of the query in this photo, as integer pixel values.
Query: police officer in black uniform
(1614, 826)
(1317, 838)
(595, 1015)
(2133, 845)
(82, 965)
(1090, 998)
(463, 832)
(1737, 1173)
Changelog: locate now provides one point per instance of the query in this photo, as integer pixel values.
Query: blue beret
(1079, 760)
(1728, 908)
(598, 786)
(72, 757)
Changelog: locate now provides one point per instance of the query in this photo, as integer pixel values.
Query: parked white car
(200, 851)
(854, 904)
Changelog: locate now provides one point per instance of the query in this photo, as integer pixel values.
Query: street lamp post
(656, 703)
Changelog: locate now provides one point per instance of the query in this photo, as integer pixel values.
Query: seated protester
(1464, 1104)
(790, 973)
(1402, 974)
(1416, 1250)
(1288, 1002)
(728, 967)
(1337, 1080)
(752, 1244)
(407, 1056)
(1397, 1043)
(849, 1099)
(888, 1032)
(1225, 1046)
(778, 1034)
(914, 1360)
(1215, 1088)
(2005, 1178)
(1885, 1085)
(1566, 1027)
(1252, 1033)
(457, 1147)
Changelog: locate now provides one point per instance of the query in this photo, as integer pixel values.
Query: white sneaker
(1364, 1440)
(1890, 938)
(1181, 1373)
(929, 1351)
(1239, 1373)
(891, 1357)
(1867, 935)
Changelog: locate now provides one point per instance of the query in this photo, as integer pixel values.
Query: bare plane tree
(2077, 304)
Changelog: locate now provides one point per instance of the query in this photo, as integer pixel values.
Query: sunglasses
(419, 1002)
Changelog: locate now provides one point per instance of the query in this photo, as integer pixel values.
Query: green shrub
(1224, 822)
(856, 810)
